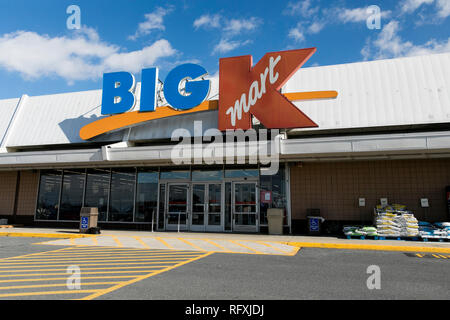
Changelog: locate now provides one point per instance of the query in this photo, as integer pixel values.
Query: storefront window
(97, 189)
(241, 173)
(199, 175)
(147, 196)
(121, 204)
(175, 174)
(273, 193)
(72, 195)
(48, 199)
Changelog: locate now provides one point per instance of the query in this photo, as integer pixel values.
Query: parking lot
(31, 270)
(102, 270)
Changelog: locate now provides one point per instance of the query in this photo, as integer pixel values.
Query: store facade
(365, 131)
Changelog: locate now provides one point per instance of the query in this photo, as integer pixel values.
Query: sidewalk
(289, 240)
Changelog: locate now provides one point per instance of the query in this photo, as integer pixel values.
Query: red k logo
(245, 90)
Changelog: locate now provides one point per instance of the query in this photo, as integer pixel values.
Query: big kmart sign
(244, 90)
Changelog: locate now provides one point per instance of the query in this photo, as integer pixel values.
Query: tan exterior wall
(335, 187)
(28, 189)
(7, 192)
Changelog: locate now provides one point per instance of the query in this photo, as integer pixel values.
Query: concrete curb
(349, 246)
(375, 247)
(45, 235)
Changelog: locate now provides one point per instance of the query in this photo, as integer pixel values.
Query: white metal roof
(404, 91)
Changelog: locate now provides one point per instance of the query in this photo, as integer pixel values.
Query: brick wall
(335, 187)
(27, 193)
(7, 192)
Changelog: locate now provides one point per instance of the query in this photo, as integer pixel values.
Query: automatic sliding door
(177, 209)
(245, 207)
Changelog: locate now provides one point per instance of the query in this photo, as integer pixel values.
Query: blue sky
(40, 55)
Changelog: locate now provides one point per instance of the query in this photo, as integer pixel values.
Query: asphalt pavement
(312, 273)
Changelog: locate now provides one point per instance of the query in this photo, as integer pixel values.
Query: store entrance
(244, 207)
(209, 206)
(207, 213)
(177, 206)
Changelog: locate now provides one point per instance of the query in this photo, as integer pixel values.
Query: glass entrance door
(214, 220)
(207, 213)
(244, 206)
(198, 207)
(177, 207)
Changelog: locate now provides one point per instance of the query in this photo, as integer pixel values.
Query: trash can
(275, 220)
(315, 225)
(88, 219)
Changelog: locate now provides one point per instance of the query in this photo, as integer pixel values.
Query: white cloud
(316, 27)
(236, 26)
(230, 29)
(210, 21)
(389, 44)
(230, 26)
(443, 7)
(153, 21)
(226, 45)
(303, 8)
(297, 34)
(82, 56)
(410, 6)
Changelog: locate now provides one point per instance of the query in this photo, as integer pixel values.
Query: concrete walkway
(256, 243)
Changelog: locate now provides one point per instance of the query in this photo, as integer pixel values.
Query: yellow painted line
(82, 273)
(119, 251)
(442, 256)
(141, 242)
(118, 255)
(44, 235)
(23, 294)
(244, 246)
(31, 254)
(116, 240)
(375, 247)
(113, 288)
(14, 263)
(91, 264)
(65, 278)
(72, 241)
(436, 256)
(104, 268)
(420, 255)
(191, 244)
(223, 249)
(275, 248)
(123, 255)
(164, 242)
(100, 258)
(56, 285)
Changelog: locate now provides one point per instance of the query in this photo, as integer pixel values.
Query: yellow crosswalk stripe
(246, 247)
(23, 294)
(191, 244)
(57, 285)
(164, 242)
(141, 242)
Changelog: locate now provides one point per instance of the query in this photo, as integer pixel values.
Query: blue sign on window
(84, 222)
